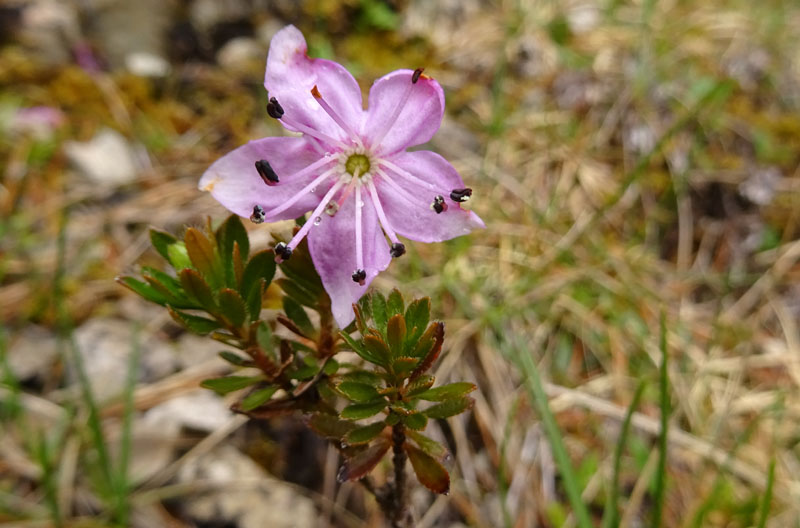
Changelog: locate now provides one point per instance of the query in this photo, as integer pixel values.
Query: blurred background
(635, 162)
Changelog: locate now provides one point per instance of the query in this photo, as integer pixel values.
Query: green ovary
(357, 163)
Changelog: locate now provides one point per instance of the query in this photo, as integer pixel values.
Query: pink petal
(291, 74)
(333, 250)
(410, 214)
(234, 182)
(419, 118)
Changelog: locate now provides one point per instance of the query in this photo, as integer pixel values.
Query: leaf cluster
(216, 287)
(401, 344)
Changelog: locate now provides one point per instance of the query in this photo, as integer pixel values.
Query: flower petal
(333, 249)
(418, 120)
(291, 74)
(234, 182)
(410, 212)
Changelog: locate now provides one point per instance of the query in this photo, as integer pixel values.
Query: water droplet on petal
(313, 189)
(361, 204)
(331, 208)
(317, 221)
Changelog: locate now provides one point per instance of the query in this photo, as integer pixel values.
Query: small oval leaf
(197, 289)
(449, 408)
(358, 392)
(232, 307)
(447, 392)
(358, 411)
(197, 324)
(362, 435)
(330, 426)
(363, 462)
(396, 335)
(258, 397)
(230, 383)
(430, 472)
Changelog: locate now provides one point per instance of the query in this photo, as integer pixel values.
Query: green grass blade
(533, 384)
(502, 478)
(661, 471)
(765, 504)
(122, 506)
(611, 512)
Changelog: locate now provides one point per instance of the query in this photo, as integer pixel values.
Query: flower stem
(399, 515)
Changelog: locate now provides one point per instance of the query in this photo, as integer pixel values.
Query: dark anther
(315, 92)
(416, 75)
(359, 276)
(398, 250)
(258, 215)
(438, 204)
(274, 108)
(266, 172)
(282, 251)
(461, 195)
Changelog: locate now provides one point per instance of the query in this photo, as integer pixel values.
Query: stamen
(359, 276)
(387, 227)
(307, 226)
(274, 108)
(334, 115)
(266, 172)
(282, 252)
(438, 204)
(258, 215)
(305, 190)
(397, 250)
(377, 138)
(416, 74)
(461, 195)
(359, 241)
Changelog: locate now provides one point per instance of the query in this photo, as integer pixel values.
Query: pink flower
(349, 167)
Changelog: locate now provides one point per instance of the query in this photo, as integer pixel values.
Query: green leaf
(234, 359)
(378, 350)
(447, 392)
(201, 253)
(298, 293)
(431, 447)
(362, 435)
(179, 256)
(415, 421)
(331, 367)
(358, 392)
(430, 472)
(169, 286)
(143, 290)
(419, 384)
(428, 347)
(230, 383)
(395, 304)
(197, 324)
(358, 411)
(260, 266)
(265, 341)
(418, 315)
(330, 426)
(197, 288)
(379, 311)
(229, 232)
(259, 397)
(255, 299)
(396, 335)
(300, 269)
(232, 307)
(299, 317)
(232, 237)
(363, 376)
(402, 366)
(449, 408)
(304, 373)
(363, 462)
(161, 241)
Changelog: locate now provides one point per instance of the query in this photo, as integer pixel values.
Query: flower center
(357, 162)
